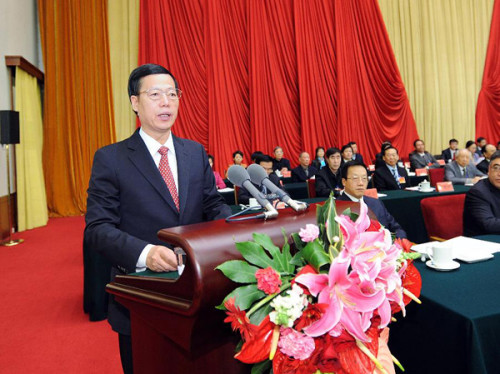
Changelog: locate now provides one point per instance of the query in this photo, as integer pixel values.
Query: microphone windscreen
(257, 174)
(237, 175)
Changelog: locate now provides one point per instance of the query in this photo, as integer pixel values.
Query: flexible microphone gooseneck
(259, 176)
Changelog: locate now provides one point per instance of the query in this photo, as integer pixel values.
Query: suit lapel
(141, 158)
(183, 169)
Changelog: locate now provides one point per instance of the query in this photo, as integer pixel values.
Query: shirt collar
(153, 145)
(355, 199)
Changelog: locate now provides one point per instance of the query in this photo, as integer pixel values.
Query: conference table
(456, 329)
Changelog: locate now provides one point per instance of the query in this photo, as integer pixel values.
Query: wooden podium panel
(175, 326)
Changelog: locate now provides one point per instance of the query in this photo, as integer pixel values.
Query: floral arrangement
(326, 308)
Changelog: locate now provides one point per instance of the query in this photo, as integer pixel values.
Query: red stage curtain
(294, 73)
(488, 103)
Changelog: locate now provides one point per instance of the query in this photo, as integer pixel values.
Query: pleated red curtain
(294, 73)
(488, 103)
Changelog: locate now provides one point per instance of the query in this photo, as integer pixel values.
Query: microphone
(259, 176)
(239, 177)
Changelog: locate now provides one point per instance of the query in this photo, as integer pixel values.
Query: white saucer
(429, 190)
(454, 265)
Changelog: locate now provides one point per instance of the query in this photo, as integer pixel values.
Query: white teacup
(441, 255)
(424, 185)
(253, 202)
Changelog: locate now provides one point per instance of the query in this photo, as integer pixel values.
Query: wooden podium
(175, 326)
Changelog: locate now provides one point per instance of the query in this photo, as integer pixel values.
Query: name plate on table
(421, 172)
(407, 164)
(371, 192)
(441, 162)
(287, 174)
(444, 187)
(371, 167)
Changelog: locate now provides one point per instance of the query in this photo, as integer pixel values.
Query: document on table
(464, 249)
(227, 189)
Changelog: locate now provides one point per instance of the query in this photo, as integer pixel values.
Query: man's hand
(475, 180)
(161, 258)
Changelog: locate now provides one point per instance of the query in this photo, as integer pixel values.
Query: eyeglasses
(496, 168)
(156, 94)
(357, 179)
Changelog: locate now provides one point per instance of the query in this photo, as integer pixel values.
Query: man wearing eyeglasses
(150, 181)
(482, 203)
(355, 181)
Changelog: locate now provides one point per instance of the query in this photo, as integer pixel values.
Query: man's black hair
(415, 142)
(263, 158)
(134, 81)
(331, 151)
(238, 152)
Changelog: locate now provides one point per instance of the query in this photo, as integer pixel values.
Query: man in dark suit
(355, 152)
(267, 163)
(481, 143)
(390, 176)
(280, 163)
(304, 171)
(355, 180)
(150, 181)
(482, 203)
(449, 154)
(420, 158)
(462, 171)
(329, 179)
(487, 152)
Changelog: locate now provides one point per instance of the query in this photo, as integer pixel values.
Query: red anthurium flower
(311, 314)
(412, 281)
(374, 225)
(308, 269)
(258, 346)
(239, 320)
(404, 243)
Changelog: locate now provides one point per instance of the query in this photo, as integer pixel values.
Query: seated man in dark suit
(280, 163)
(462, 171)
(355, 180)
(378, 157)
(487, 152)
(267, 163)
(481, 143)
(355, 154)
(329, 179)
(304, 171)
(482, 203)
(420, 158)
(449, 154)
(390, 176)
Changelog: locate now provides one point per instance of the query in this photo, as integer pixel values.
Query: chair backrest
(311, 187)
(436, 175)
(443, 216)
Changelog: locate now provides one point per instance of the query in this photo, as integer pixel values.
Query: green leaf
(332, 228)
(315, 255)
(261, 367)
(287, 256)
(261, 313)
(244, 296)
(297, 241)
(298, 260)
(255, 254)
(239, 271)
(265, 241)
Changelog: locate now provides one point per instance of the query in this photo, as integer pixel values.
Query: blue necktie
(395, 174)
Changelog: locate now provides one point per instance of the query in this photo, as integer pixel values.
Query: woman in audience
(346, 152)
(319, 160)
(219, 183)
(329, 179)
(472, 147)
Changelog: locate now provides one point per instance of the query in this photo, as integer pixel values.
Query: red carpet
(42, 325)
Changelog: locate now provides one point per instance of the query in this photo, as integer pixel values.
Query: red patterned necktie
(167, 176)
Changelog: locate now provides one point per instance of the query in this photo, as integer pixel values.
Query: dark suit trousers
(126, 353)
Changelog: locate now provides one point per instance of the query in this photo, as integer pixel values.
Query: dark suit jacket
(446, 155)
(420, 162)
(128, 202)
(244, 196)
(283, 163)
(383, 179)
(380, 211)
(358, 157)
(483, 166)
(482, 209)
(327, 182)
(299, 175)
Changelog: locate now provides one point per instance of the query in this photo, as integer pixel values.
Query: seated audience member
(319, 160)
(449, 154)
(420, 158)
(329, 179)
(304, 171)
(355, 154)
(280, 163)
(346, 153)
(238, 159)
(378, 157)
(462, 171)
(390, 176)
(481, 143)
(355, 180)
(472, 148)
(482, 203)
(219, 182)
(267, 163)
(488, 151)
(256, 154)
(498, 146)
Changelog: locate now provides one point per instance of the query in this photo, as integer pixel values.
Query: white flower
(288, 308)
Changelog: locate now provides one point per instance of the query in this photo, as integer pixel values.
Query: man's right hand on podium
(161, 258)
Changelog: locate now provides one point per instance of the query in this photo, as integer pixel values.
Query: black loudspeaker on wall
(9, 127)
